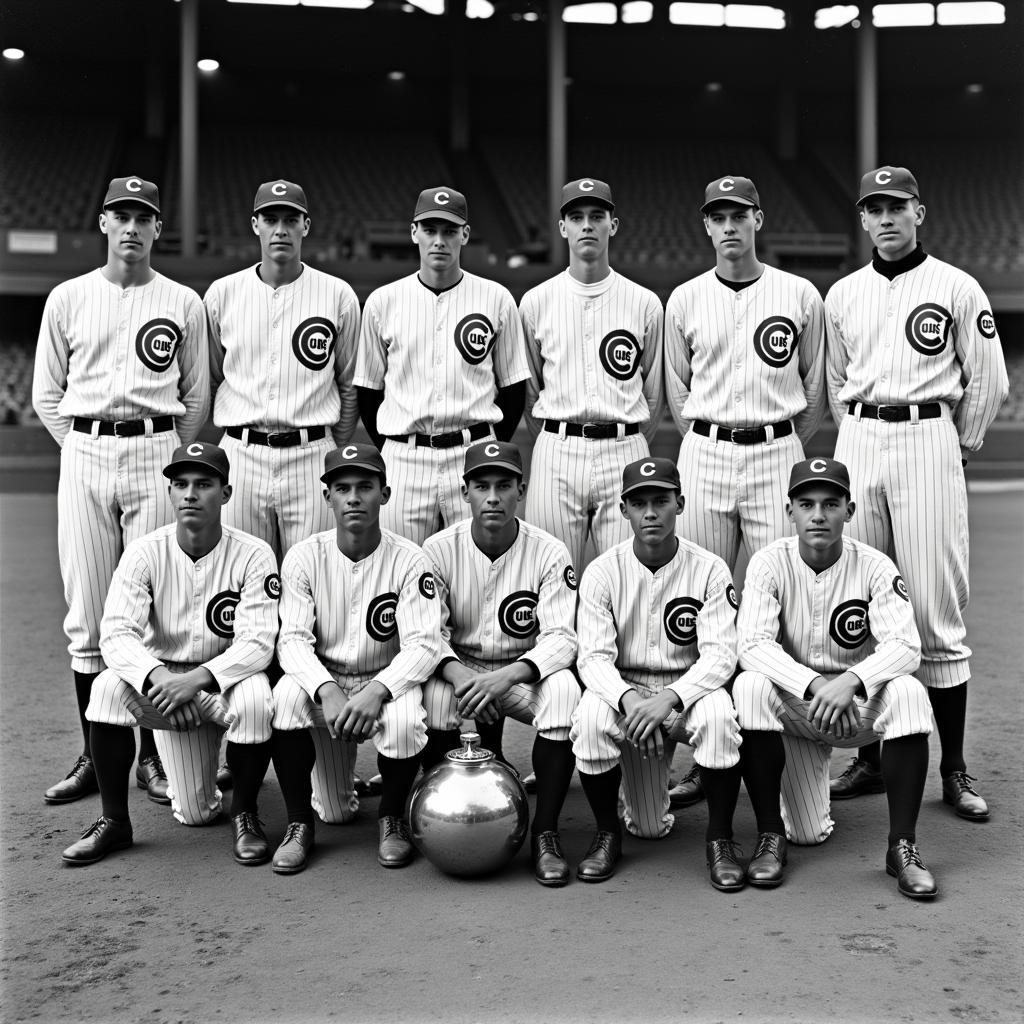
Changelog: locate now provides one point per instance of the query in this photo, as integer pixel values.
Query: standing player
(508, 599)
(188, 632)
(121, 378)
(827, 638)
(594, 342)
(657, 638)
(441, 364)
(915, 377)
(360, 631)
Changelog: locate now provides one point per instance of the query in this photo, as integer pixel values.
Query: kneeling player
(508, 599)
(188, 630)
(657, 638)
(827, 636)
(360, 631)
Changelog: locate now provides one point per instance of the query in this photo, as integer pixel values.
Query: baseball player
(187, 634)
(745, 379)
(915, 377)
(827, 641)
(441, 364)
(508, 599)
(360, 632)
(657, 640)
(121, 378)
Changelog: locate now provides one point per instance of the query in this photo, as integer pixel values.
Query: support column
(189, 199)
(455, 14)
(556, 120)
(867, 112)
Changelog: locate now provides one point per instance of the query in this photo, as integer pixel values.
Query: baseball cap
(441, 203)
(493, 455)
(586, 190)
(354, 456)
(199, 453)
(819, 471)
(650, 473)
(889, 181)
(280, 193)
(731, 189)
(132, 189)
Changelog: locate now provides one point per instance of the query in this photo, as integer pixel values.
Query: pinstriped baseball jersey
(219, 611)
(926, 336)
(439, 358)
(376, 618)
(746, 358)
(795, 624)
(520, 606)
(283, 358)
(672, 628)
(113, 353)
(594, 351)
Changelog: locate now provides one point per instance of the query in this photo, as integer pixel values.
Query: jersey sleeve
(296, 641)
(556, 609)
(678, 353)
(509, 352)
(598, 646)
(836, 356)
(535, 382)
(255, 624)
(652, 366)
(50, 375)
(345, 354)
(811, 363)
(211, 302)
(441, 575)
(125, 617)
(193, 372)
(372, 354)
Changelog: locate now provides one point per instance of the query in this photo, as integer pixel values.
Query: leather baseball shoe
(723, 859)
(395, 849)
(858, 779)
(224, 779)
(913, 879)
(688, 790)
(958, 791)
(103, 836)
(79, 782)
(292, 855)
(599, 863)
(150, 776)
(765, 867)
(251, 846)
(549, 864)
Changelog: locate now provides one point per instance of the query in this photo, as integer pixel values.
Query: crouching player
(828, 642)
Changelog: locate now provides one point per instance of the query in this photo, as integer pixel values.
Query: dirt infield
(174, 931)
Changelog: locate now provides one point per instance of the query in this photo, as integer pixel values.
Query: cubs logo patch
(928, 328)
(569, 575)
(730, 596)
(272, 586)
(619, 353)
(848, 625)
(517, 614)
(900, 586)
(156, 342)
(313, 342)
(428, 586)
(220, 613)
(775, 341)
(986, 324)
(380, 617)
(474, 335)
(680, 620)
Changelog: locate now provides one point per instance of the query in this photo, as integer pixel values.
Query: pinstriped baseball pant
(900, 708)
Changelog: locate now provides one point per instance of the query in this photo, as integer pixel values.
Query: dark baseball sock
(113, 750)
(722, 790)
(396, 778)
(248, 763)
(439, 742)
(602, 793)
(872, 754)
(762, 760)
(553, 764)
(147, 744)
(904, 768)
(491, 736)
(950, 710)
(83, 691)
(294, 755)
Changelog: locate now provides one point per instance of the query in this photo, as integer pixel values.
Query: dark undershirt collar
(439, 291)
(737, 286)
(892, 269)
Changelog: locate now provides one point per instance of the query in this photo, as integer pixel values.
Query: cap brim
(578, 200)
(663, 485)
(496, 464)
(735, 200)
(896, 193)
(439, 215)
(817, 480)
(281, 202)
(169, 469)
(328, 476)
(131, 201)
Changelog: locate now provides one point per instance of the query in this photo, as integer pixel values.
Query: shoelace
(94, 827)
(856, 765)
(963, 781)
(693, 775)
(84, 761)
(547, 842)
(908, 854)
(768, 843)
(248, 821)
(293, 832)
(157, 767)
(393, 826)
(602, 841)
(725, 848)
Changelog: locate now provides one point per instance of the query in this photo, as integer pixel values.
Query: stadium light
(971, 13)
(479, 9)
(591, 14)
(712, 15)
(835, 16)
(713, 87)
(974, 89)
(342, 5)
(637, 12)
(434, 7)
(207, 64)
(903, 15)
(754, 16)
(531, 16)
(13, 53)
(396, 76)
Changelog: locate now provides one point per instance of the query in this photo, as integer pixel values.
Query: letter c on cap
(726, 184)
(133, 185)
(819, 466)
(279, 189)
(586, 185)
(442, 198)
(491, 450)
(195, 449)
(647, 469)
(883, 177)
(349, 452)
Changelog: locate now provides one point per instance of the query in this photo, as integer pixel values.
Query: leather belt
(742, 435)
(280, 439)
(896, 413)
(591, 431)
(451, 439)
(122, 428)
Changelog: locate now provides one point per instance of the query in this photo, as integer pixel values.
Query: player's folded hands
(482, 696)
(644, 717)
(358, 718)
(831, 708)
(185, 717)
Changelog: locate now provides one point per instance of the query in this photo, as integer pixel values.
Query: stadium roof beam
(189, 127)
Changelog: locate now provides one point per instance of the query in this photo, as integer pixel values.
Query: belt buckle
(118, 424)
(438, 440)
(278, 440)
(740, 435)
(889, 413)
(587, 427)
